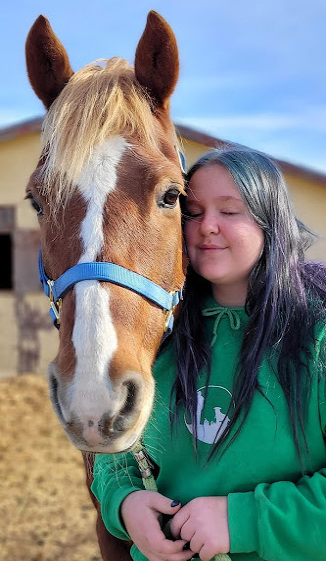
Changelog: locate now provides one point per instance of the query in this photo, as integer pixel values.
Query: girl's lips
(210, 247)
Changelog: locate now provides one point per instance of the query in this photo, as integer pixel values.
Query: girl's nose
(209, 224)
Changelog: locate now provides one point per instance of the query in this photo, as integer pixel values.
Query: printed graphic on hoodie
(212, 418)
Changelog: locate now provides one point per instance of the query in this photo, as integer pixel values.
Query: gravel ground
(45, 511)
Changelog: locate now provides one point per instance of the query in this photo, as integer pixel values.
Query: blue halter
(107, 272)
(110, 272)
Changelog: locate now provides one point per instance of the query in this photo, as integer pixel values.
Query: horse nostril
(54, 395)
(53, 384)
(132, 392)
(105, 425)
(125, 417)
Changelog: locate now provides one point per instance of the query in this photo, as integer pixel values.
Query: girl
(237, 432)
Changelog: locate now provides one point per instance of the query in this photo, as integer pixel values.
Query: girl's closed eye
(192, 213)
(233, 210)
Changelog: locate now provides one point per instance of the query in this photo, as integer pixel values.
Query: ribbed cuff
(243, 524)
(110, 510)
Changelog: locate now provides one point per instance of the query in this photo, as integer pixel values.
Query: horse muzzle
(104, 417)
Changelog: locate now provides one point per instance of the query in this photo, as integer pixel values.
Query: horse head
(106, 191)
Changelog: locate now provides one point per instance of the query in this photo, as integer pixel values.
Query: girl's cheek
(187, 231)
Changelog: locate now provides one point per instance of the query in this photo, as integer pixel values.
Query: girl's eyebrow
(238, 197)
(223, 198)
(230, 198)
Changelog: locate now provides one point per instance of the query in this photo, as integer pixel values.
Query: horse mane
(101, 100)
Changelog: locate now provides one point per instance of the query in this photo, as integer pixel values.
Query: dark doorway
(6, 262)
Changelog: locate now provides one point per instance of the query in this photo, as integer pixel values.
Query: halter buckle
(169, 314)
(55, 305)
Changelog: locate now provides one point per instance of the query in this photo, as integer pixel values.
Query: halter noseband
(107, 272)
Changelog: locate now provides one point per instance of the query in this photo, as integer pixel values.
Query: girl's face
(223, 240)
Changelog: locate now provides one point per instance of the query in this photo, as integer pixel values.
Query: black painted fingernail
(186, 546)
(175, 503)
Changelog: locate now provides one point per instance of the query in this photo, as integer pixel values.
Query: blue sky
(252, 72)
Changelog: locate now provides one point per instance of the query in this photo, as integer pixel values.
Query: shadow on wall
(30, 322)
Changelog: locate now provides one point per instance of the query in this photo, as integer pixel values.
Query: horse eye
(170, 198)
(35, 205)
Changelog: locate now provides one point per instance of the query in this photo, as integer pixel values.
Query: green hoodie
(274, 512)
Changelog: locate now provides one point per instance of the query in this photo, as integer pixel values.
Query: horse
(106, 192)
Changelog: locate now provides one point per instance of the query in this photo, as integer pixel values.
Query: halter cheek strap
(107, 272)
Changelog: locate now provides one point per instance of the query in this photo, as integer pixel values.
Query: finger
(171, 547)
(181, 554)
(188, 531)
(157, 535)
(184, 556)
(164, 504)
(197, 546)
(179, 519)
(206, 553)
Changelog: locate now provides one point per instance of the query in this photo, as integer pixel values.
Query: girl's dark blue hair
(286, 298)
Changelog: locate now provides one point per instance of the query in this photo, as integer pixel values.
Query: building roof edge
(35, 125)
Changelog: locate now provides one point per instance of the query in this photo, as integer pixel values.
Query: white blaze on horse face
(94, 336)
(97, 180)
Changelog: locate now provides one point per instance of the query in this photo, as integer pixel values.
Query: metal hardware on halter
(145, 466)
(169, 315)
(55, 305)
(182, 159)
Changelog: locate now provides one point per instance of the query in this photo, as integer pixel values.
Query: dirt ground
(45, 511)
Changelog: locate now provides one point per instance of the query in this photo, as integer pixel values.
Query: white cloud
(295, 138)
(312, 119)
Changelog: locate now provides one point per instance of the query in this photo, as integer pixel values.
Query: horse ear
(48, 65)
(157, 59)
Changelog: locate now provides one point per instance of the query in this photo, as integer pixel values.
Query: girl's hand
(204, 523)
(140, 512)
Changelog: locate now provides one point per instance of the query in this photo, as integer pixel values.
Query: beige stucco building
(28, 341)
